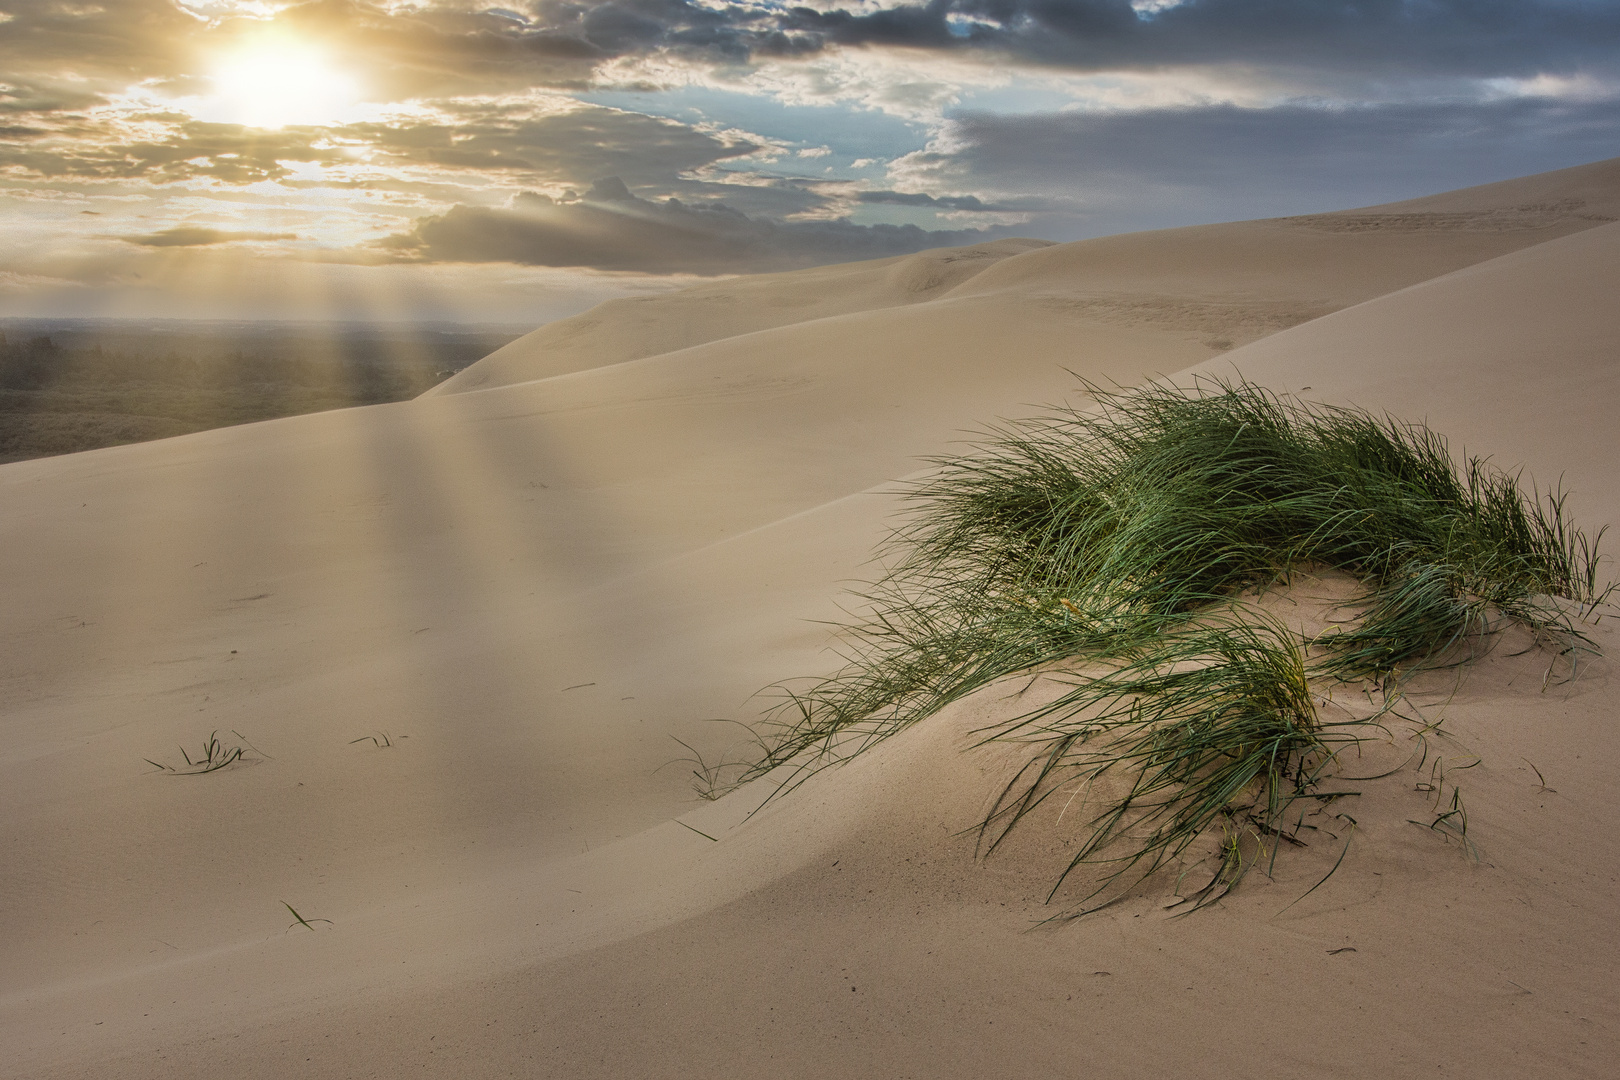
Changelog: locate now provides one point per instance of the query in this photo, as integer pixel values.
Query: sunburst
(275, 83)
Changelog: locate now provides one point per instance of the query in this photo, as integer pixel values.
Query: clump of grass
(215, 755)
(1125, 536)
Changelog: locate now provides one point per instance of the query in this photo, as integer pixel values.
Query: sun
(274, 84)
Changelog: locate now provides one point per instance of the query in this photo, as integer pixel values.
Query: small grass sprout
(1540, 780)
(1124, 544)
(214, 756)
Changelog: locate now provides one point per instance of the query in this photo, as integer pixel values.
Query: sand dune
(1216, 285)
(632, 328)
(530, 587)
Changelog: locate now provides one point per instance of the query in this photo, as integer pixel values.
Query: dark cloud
(1474, 38)
(611, 229)
(917, 198)
(22, 97)
(572, 146)
(445, 49)
(1177, 166)
(191, 236)
(1478, 38)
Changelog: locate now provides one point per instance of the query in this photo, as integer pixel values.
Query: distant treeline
(79, 387)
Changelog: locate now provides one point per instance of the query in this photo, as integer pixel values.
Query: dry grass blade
(307, 924)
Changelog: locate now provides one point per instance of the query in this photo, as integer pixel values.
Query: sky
(521, 160)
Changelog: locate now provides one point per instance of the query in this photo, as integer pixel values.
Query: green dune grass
(1122, 542)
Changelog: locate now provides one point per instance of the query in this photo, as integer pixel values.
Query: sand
(626, 524)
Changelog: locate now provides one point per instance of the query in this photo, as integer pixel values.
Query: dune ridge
(537, 583)
(1221, 285)
(630, 329)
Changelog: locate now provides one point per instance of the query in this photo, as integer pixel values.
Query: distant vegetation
(1126, 545)
(66, 387)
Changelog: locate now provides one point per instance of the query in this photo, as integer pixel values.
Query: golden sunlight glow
(274, 83)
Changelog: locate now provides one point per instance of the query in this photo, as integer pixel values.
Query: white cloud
(1583, 88)
(1154, 7)
(214, 10)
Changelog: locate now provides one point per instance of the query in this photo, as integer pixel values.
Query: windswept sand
(598, 543)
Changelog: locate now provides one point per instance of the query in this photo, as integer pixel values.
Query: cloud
(193, 236)
(164, 149)
(558, 142)
(1108, 172)
(918, 198)
(611, 229)
(438, 48)
(127, 40)
(1478, 38)
(1376, 38)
